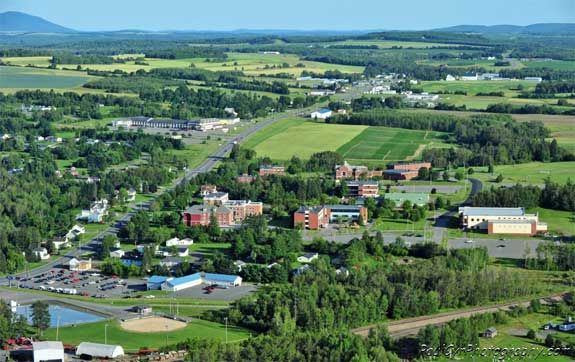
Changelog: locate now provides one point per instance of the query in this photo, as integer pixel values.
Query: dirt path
(410, 326)
(417, 152)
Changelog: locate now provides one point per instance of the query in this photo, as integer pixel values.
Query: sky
(92, 15)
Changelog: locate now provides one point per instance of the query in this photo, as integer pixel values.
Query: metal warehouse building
(48, 351)
(99, 350)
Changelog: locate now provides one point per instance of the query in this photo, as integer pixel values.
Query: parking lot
(216, 293)
(86, 283)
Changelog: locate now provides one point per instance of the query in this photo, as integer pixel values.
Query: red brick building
(199, 215)
(272, 170)
(242, 209)
(363, 188)
(347, 171)
(317, 217)
(208, 189)
(405, 171)
(245, 179)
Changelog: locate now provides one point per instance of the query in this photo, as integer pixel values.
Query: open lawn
(509, 87)
(132, 341)
(386, 44)
(562, 127)
(298, 137)
(529, 173)
(552, 64)
(559, 222)
(466, 63)
(389, 144)
(21, 78)
(25, 61)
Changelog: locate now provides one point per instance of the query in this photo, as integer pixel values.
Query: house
(363, 188)
(301, 269)
(79, 265)
(342, 271)
(60, 244)
(267, 170)
(450, 78)
(317, 217)
(131, 195)
(179, 242)
(533, 79)
(415, 198)
(199, 215)
(566, 327)
(240, 264)
(307, 257)
(347, 171)
(97, 212)
(41, 253)
(231, 112)
(141, 247)
(48, 351)
(321, 93)
(170, 261)
(5, 136)
(183, 251)
(99, 351)
(490, 332)
(501, 220)
(216, 198)
(117, 253)
(74, 232)
(323, 113)
(208, 189)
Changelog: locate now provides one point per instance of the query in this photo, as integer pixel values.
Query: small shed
(99, 350)
(490, 332)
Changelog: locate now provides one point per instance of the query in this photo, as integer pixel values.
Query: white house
(469, 76)
(179, 242)
(48, 351)
(307, 257)
(170, 261)
(131, 195)
(117, 253)
(98, 210)
(450, 78)
(240, 264)
(74, 232)
(79, 265)
(41, 253)
(323, 113)
(61, 244)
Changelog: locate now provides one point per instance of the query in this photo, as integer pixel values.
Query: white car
(469, 241)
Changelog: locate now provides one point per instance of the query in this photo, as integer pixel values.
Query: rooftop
(492, 211)
(221, 277)
(182, 280)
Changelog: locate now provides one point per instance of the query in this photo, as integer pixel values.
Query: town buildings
(267, 170)
(405, 171)
(192, 280)
(48, 351)
(501, 220)
(203, 124)
(97, 212)
(179, 242)
(316, 217)
(363, 188)
(347, 171)
(80, 265)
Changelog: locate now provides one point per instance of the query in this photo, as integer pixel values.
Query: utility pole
(226, 319)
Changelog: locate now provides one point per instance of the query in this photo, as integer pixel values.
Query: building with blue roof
(155, 282)
(192, 280)
(323, 113)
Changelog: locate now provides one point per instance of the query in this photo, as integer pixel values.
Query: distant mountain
(13, 21)
(543, 28)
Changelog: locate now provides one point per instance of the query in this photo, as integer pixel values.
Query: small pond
(66, 315)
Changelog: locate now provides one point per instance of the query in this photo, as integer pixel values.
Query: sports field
(298, 137)
(302, 138)
(152, 324)
(21, 77)
(132, 341)
(389, 144)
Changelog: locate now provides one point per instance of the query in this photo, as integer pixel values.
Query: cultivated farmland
(19, 77)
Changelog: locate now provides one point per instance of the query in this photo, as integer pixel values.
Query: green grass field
(382, 143)
(301, 138)
(20, 77)
(562, 222)
(562, 127)
(529, 173)
(250, 63)
(386, 44)
(553, 64)
(132, 341)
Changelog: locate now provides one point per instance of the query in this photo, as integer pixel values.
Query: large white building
(98, 350)
(48, 351)
(192, 280)
(179, 242)
(501, 220)
(323, 113)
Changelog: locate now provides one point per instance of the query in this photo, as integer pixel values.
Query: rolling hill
(16, 22)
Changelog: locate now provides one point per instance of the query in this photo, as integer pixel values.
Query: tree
(531, 334)
(499, 178)
(108, 243)
(214, 226)
(445, 175)
(40, 316)
(490, 168)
